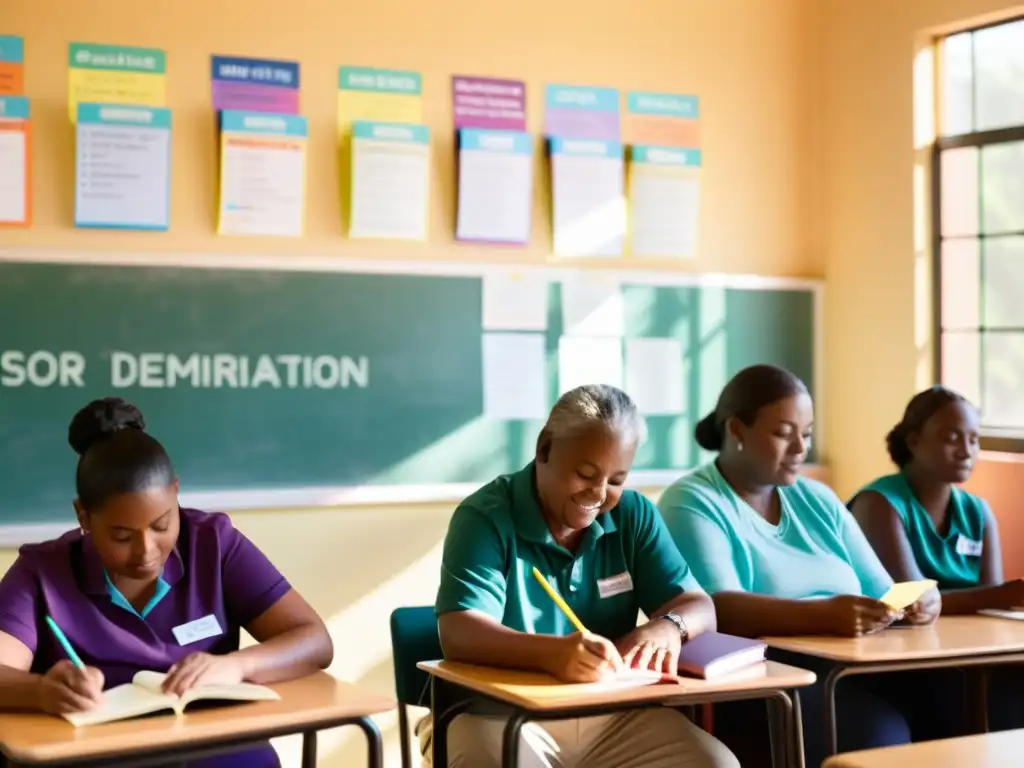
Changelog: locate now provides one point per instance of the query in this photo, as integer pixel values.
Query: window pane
(999, 74)
(957, 85)
(1002, 187)
(959, 169)
(961, 285)
(1003, 405)
(961, 364)
(1003, 278)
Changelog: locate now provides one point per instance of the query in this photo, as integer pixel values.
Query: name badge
(615, 585)
(197, 630)
(969, 547)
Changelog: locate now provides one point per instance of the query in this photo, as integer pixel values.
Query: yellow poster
(107, 74)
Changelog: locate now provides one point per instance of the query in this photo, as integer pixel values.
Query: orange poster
(12, 66)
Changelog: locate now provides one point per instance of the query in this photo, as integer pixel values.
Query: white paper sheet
(515, 300)
(515, 376)
(264, 189)
(583, 360)
(663, 212)
(589, 205)
(123, 176)
(592, 305)
(390, 184)
(12, 176)
(495, 197)
(654, 376)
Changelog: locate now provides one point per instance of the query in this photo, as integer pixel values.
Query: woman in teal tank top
(921, 524)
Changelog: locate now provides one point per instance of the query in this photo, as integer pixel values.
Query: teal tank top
(953, 559)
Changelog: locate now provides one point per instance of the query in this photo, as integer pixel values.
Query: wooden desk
(534, 696)
(307, 705)
(952, 641)
(988, 750)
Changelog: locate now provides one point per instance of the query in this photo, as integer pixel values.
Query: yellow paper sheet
(103, 86)
(380, 107)
(906, 593)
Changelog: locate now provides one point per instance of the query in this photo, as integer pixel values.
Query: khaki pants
(651, 738)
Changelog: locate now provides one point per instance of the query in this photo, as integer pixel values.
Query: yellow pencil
(559, 601)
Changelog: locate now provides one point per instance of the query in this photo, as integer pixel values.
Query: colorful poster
(390, 180)
(113, 74)
(582, 112)
(486, 102)
(123, 167)
(495, 186)
(12, 65)
(378, 95)
(262, 174)
(588, 197)
(662, 119)
(257, 85)
(15, 162)
(664, 201)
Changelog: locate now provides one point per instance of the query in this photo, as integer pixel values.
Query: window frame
(1010, 441)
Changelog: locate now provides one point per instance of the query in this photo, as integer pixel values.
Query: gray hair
(595, 405)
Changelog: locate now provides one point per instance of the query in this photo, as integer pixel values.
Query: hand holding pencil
(69, 686)
(585, 657)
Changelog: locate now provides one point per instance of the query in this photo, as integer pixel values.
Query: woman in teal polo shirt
(606, 551)
(781, 555)
(922, 525)
(142, 584)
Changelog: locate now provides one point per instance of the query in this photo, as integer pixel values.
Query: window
(978, 218)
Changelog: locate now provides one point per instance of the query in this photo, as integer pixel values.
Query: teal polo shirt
(952, 558)
(626, 562)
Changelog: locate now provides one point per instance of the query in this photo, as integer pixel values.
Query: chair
(414, 639)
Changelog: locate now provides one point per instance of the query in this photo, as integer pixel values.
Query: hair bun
(100, 419)
(708, 433)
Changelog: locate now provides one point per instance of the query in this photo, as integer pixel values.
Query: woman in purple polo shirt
(145, 585)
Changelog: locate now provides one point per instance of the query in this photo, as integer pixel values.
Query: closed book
(713, 654)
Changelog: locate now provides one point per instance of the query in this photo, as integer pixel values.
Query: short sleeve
(660, 572)
(20, 600)
(472, 565)
(874, 579)
(703, 542)
(251, 583)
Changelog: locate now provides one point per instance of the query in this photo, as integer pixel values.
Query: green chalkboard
(264, 380)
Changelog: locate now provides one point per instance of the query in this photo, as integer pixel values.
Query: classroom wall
(748, 60)
(874, 236)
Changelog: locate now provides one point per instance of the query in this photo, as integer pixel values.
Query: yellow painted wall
(876, 270)
(746, 59)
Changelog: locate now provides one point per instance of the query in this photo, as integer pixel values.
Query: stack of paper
(589, 202)
(123, 164)
(15, 159)
(495, 186)
(262, 174)
(390, 180)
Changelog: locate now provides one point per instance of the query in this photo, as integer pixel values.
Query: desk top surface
(950, 636)
(987, 750)
(36, 738)
(537, 692)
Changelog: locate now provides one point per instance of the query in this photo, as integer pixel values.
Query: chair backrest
(414, 639)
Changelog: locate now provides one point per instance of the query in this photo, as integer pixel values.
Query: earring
(739, 447)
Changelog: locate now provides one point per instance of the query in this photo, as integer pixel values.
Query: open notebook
(143, 696)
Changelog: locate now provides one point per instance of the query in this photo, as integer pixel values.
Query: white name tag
(197, 630)
(969, 547)
(615, 585)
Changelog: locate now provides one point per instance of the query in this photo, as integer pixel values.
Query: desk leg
(829, 709)
(510, 743)
(309, 749)
(446, 703)
(374, 744)
(786, 730)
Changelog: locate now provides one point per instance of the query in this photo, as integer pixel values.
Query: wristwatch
(676, 619)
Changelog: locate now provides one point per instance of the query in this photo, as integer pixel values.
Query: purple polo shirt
(214, 570)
